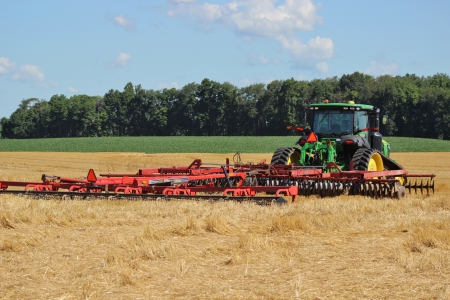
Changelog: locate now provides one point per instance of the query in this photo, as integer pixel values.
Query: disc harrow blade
(420, 186)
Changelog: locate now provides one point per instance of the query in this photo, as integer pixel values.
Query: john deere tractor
(344, 133)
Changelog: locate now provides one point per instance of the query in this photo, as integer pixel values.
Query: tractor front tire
(286, 156)
(367, 160)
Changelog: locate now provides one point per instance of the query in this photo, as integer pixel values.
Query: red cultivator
(256, 182)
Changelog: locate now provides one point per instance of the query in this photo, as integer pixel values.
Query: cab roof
(341, 105)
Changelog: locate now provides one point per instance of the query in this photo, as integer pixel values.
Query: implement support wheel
(400, 192)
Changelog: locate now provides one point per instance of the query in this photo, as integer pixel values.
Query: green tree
(21, 120)
(209, 108)
(251, 97)
(182, 111)
(292, 105)
(268, 109)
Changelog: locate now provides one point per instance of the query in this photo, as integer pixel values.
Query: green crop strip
(194, 144)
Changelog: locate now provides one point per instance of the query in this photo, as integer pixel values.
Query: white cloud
(254, 17)
(127, 24)
(254, 59)
(47, 85)
(263, 18)
(25, 73)
(72, 90)
(5, 65)
(181, 1)
(167, 86)
(122, 60)
(378, 68)
(322, 66)
(28, 73)
(280, 20)
(307, 55)
(380, 65)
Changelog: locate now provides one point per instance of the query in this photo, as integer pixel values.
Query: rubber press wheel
(286, 156)
(367, 160)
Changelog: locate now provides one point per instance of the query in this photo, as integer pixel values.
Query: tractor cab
(337, 119)
(348, 123)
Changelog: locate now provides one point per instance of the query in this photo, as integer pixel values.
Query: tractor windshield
(339, 122)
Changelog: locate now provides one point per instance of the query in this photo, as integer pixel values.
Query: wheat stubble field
(318, 248)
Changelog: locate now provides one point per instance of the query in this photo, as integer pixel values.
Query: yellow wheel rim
(401, 180)
(375, 163)
(294, 158)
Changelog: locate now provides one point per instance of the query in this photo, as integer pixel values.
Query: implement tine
(307, 187)
(415, 187)
(351, 188)
(370, 189)
(421, 186)
(301, 188)
(355, 188)
(331, 186)
(334, 188)
(391, 191)
(427, 187)
(432, 185)
(322, 192)
(329, 190)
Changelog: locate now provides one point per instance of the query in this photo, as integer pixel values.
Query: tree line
(415, 106)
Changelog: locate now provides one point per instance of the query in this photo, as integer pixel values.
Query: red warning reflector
(312, 138)
(91, 176)
(349, 142)
(372, 128)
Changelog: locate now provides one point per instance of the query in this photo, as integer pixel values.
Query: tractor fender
(357, 140)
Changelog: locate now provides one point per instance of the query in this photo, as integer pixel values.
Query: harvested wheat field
(317, 248)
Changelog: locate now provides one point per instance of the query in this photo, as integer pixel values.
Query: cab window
(361, 120)
(333, 122)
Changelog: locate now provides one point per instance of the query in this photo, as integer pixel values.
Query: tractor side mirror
(384, 120)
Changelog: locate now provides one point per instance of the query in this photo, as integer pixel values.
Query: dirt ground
(318, 248)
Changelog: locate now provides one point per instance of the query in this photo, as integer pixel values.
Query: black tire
(362, 157)
(285, 156)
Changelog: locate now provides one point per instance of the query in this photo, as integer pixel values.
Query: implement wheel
(367, 160)
(286, 156)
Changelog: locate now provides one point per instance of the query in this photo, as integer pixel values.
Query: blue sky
(50, 47)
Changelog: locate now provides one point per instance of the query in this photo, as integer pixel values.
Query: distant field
(194, 144)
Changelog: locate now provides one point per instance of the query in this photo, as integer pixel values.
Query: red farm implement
(238, 181)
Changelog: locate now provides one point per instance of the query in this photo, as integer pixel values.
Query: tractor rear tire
(286, 156)
(367, 160)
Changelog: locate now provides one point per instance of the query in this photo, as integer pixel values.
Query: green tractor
(345, 134)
